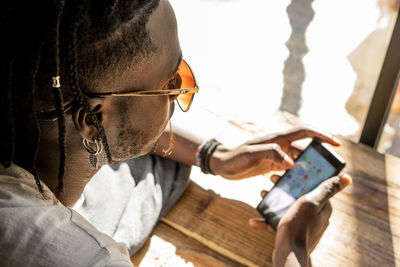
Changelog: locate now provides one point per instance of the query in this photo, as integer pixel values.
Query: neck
(78, 170)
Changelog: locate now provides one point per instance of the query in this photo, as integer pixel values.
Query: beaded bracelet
(198, 157)
(203, 154)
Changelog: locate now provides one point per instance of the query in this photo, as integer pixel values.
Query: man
(85, 84)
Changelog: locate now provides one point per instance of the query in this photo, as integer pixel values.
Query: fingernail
(345, 180)
(251, 223)
(337, 141)
(288, 161)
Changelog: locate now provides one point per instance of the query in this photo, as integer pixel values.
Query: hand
(301, 228)
(263, 154)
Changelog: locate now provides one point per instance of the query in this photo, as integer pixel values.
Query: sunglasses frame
(157, 92)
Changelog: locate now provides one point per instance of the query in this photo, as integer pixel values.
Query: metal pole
(384, 92)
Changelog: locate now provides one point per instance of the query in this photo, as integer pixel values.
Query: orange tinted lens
(185, 100)
(186, 76)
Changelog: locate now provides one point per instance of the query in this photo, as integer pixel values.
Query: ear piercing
(94, 147)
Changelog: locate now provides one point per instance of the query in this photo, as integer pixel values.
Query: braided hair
(51, 48)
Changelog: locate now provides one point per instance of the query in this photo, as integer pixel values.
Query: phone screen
(310, 170)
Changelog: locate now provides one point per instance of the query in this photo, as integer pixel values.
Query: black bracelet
(205, 154)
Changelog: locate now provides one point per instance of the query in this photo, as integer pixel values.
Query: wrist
(281, 251)
(204, 155)
(216, 160)
(288, 252)
(290, 257)
(300, 253)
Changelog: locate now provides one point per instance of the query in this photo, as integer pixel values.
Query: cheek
(137, 122)
(151, 115)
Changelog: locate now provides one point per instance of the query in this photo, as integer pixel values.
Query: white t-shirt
(42, 232)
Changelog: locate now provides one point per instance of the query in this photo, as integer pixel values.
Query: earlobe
(82, 121)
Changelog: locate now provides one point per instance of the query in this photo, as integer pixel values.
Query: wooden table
(364, 229)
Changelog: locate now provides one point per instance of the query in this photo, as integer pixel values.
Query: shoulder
(38, 234)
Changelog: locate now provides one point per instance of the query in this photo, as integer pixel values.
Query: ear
(81, 118)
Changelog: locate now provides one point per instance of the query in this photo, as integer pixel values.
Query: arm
(184, 148)
(255, 157)
(225, 162)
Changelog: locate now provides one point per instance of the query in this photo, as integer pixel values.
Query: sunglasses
(183, 85)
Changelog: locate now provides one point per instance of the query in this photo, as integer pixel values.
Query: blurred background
(318, 60)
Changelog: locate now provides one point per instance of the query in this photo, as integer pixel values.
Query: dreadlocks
(50, 48)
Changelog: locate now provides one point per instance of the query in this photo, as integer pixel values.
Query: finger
(260, 224)
(282, 160)
(263, 193)
(273, 152)
(308, 133)
(294, 152)
(328, 189)
(275, 178)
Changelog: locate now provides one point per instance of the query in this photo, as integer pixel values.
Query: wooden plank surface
(169, 247)
(365, 224)
(221, 224)
(364, 228)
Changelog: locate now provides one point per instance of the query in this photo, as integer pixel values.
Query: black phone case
(271, 218)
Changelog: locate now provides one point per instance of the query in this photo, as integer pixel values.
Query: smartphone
(314, 165)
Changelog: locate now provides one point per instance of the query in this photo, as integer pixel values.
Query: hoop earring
(93, 152)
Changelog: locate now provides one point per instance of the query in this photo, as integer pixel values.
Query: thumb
(274, 152)
(328, 189)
